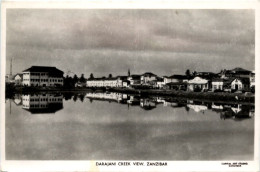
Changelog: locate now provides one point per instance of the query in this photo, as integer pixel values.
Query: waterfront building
(42, 76)
(236, 72)
(252, 79)
(198, 84)
(148, 78)
(240, 84)
(217, 84)
(18, 79)
(119, 81)
(176, 79)
(95, 82)
(122, 81)
(134, 79)
(159, 83)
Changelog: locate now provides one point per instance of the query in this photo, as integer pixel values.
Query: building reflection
(42, 103)
(51, 103)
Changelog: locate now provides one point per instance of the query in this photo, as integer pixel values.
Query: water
(114, 126)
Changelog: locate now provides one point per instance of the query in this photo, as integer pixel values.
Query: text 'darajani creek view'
(170, 85)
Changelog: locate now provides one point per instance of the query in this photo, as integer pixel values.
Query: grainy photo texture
(130, 84)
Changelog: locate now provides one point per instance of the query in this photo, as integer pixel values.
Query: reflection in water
(114, 126)
(41, 103)
(50, 103)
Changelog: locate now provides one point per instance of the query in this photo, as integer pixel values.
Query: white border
(116, 4)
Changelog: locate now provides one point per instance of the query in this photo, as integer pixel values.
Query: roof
(217, 80)
(51, 70)
(136, 76)
(19, 74)
(122, 77)
(243, 80)
(148, 74)
(176, 83)
(180, 77)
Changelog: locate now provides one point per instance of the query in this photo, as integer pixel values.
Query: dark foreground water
(113, 126)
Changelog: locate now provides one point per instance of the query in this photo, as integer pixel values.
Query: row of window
(44, 80)
(43, 99)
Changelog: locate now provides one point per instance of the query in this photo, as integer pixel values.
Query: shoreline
(245, 98)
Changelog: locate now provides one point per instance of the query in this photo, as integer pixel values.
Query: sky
(104, 41)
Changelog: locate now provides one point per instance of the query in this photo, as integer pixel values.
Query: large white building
(42, 76)
(107, 82)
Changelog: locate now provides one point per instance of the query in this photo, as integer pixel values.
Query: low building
(95, 82)
(148, 78)
(122, 81)
(217, 84)
(252, 79)
(236, 72)
(134, 79)
(176, 79)
(240, 84)
(198, 84)
(18, 79)
(42, 76)
(159, 83)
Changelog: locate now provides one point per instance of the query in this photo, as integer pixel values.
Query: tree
(82, 79)
(194, 73)
(91, 76)
(75, 79)
(110, 75)
(187, 72)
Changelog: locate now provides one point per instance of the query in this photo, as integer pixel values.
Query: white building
(217, 84)
(107, 82)
(147, 78)
(252, 79)
(42, 76)
(18, 79)
(198, 83)
(240, 84)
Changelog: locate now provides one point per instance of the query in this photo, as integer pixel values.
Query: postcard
(130, 86)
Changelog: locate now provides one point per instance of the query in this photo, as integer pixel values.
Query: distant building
(176, 79)
(134, 79)
(217, 84)
(221, 84)
(18, 79)
(198, 84)
(236, 72)
(148, 78)
(252, 79)
(240, 84)
(159, 82)
(119, 81)
(122, 81)
(42, 76)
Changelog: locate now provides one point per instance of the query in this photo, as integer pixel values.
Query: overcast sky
(164, 42)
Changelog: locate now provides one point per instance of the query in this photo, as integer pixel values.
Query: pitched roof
(180, 77)
(51, 70)
(136, 76)
(243, 80)
(148, 74)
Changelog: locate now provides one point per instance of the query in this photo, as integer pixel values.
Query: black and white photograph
(109, 85)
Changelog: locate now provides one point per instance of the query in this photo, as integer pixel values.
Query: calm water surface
(113, 126)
